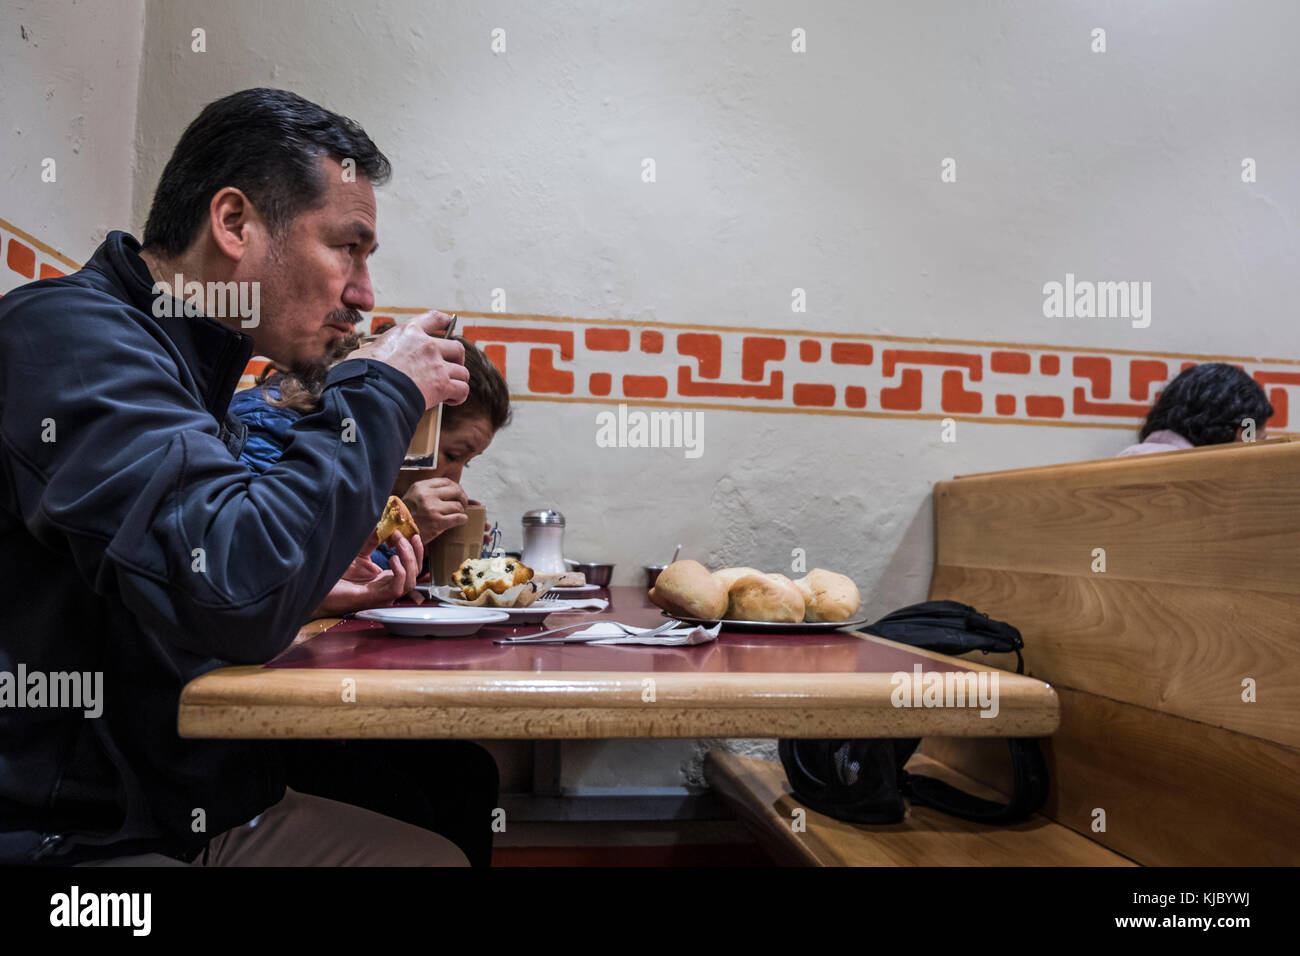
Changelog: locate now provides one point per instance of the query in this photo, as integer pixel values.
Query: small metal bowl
(597, 574)
(652, 572)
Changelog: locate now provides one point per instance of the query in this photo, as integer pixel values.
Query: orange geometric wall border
(804, 371)
(547, 358)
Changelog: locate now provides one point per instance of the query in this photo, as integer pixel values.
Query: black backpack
(863, 781)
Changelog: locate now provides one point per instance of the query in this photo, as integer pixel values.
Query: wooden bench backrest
(1200, 593)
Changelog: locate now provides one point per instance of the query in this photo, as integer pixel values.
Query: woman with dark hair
(1208, 404)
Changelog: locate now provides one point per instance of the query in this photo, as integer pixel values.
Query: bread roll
(729, 576)
(806, 592)
(686, 588)
(828, 596)
(765, 597)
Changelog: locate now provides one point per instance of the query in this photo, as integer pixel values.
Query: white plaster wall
(69, 74)
(521, 171)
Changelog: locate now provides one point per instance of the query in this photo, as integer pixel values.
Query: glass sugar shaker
(544, 541)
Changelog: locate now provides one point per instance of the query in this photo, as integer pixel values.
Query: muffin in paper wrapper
(521, 595)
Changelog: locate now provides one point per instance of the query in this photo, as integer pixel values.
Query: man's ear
(236, 227)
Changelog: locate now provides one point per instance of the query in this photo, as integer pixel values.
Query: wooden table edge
(260, 702)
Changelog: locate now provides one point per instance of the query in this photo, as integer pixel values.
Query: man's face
(314, 278)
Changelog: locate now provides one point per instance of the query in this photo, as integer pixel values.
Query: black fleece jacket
(135, 545)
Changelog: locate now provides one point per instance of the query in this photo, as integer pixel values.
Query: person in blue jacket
(447, 786)
(437, 503)
(138, 552)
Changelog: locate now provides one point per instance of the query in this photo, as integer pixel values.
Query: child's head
(468, 428)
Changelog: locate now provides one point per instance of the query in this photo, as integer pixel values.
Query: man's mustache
(352, 340)
(349, 317)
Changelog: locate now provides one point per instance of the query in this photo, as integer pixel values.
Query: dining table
(349, 678)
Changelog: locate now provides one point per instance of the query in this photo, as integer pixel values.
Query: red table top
(357, 644)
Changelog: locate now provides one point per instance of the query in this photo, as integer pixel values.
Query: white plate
(532, 614)
(561, 592)
(802, 627)
(535, 612)
(433, 621)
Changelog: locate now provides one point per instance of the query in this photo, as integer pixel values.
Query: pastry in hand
(476, 575)
(687, 589)
(828, 596)
(771, 598)
(396, 518)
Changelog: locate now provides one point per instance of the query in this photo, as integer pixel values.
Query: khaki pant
(305, 830)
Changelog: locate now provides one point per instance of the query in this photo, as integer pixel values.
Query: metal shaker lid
(546, 516)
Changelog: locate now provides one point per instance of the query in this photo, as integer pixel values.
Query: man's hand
(365, 585)
(435, 365)
(437, 505)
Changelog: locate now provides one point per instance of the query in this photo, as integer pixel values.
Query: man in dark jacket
(136, 552)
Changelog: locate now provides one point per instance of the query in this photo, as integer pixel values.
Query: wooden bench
(1159, 759)
(758, 792)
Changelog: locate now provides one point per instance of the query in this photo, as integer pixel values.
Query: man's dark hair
(1206, 404)
(267, 143)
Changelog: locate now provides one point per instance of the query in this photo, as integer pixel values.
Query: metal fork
(545, 636)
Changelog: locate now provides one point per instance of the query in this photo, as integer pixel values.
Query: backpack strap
(1028, 793)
